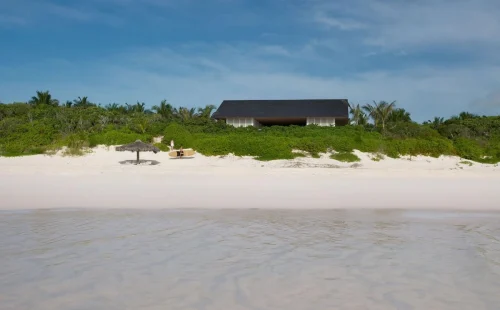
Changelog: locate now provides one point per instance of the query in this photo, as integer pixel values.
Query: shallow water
(255, 259)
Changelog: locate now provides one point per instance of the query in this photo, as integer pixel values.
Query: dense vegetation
(43, 125)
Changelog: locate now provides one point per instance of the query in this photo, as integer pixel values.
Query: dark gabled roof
(283, 108)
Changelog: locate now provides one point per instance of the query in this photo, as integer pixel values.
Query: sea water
(252, 259)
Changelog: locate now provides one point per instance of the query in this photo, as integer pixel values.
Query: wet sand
(250, 190)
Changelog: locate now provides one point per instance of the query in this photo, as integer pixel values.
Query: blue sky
(434, 57)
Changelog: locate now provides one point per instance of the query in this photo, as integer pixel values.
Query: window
(240, 121)
(321, 121)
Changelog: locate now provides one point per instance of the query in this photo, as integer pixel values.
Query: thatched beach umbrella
(138, 146)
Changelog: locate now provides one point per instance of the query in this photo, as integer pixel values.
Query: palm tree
(400, 115)
(43, 98)
(371, 111)
(438, 121)
(139, 107)
(136, 108)
(185, 113)
(164, 109)
(82, 102)
(467, 115)
(380, 112)
(206, 112)
(358, 116)
(384, 111)
(115, 107)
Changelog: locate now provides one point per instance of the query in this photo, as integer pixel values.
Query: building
(322, 112)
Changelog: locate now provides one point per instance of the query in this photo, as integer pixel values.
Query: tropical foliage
(43, 125)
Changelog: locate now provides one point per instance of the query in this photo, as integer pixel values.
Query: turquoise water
(254, 259)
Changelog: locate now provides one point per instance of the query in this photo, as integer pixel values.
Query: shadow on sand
(191, 157)
(142, 162)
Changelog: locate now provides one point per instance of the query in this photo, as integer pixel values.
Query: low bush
(180, 134)
(345, 157)
(469, 149)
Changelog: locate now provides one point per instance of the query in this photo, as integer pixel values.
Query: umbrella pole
(137, 157)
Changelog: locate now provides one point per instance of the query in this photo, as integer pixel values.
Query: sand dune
(100, 179)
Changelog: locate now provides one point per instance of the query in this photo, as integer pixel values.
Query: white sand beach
(99, 180)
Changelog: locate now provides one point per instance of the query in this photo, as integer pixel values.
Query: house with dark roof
(322, 112)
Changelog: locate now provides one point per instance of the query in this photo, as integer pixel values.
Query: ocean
(249, 259)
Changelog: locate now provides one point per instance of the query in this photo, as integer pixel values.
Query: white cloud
(274, 50)
(343, 24)
(33, 12)
(400, 24)
(6, 20)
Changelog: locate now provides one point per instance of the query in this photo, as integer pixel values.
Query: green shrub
(179, 133)
(27, 139)
(345, 157)
(76, 144)
(377, 157)
(162, 147)
(245, 144)
(468, 149)
(403, 130)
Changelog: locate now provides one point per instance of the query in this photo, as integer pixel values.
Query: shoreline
(264, 192)
(97, 180)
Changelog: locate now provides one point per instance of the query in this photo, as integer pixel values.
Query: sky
(433, 57)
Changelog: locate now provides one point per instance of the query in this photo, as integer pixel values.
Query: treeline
(43, 125)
